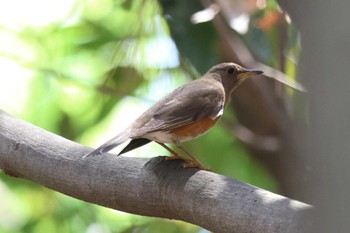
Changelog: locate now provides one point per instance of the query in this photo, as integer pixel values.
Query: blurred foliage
(196, 42)
(86, 75)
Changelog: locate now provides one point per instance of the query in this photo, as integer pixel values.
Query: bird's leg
(193, 161)
(174, 154)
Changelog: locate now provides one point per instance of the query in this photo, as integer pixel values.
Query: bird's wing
(187, 105)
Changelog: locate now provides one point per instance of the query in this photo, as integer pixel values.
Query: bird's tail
(109, 145)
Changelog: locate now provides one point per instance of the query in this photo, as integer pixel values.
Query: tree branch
(152, 187)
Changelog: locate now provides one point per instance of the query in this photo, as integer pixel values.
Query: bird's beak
(249, 73)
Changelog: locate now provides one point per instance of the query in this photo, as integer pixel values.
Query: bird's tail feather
(109, 145)
(135, 143)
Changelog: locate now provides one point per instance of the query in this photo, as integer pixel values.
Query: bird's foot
(174, 157)
(194, 164)
(188, 162)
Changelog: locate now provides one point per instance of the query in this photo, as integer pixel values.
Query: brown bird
(186, 113)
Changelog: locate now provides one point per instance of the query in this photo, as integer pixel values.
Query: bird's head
(231, 74)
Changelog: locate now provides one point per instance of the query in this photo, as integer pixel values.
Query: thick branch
(152, 187)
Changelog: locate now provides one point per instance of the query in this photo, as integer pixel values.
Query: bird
(184, 114)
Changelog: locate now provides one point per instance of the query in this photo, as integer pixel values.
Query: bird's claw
(194, 164)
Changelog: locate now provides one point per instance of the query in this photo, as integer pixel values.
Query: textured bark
(152, 187)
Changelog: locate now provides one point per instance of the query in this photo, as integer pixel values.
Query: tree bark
(151, 187)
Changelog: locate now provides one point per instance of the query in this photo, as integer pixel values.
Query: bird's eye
(231, 70)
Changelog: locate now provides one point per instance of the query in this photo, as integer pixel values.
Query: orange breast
(190, 131)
